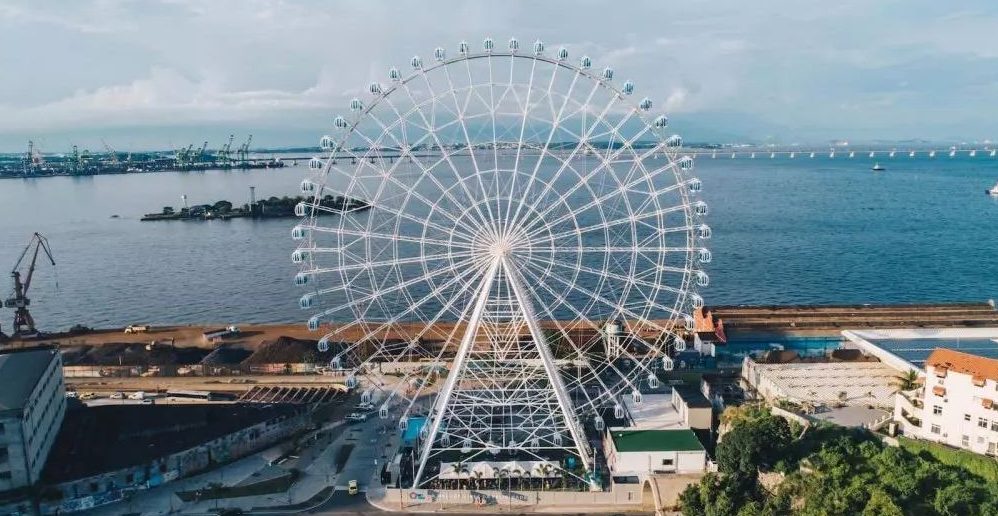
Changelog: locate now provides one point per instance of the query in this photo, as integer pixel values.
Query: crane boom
(23, 322)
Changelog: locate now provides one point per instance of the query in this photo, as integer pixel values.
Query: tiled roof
(965, 363)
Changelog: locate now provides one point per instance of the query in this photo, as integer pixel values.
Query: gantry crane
(24, 324)
(243, 153)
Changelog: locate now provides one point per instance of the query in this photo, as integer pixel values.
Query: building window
(966, 417)
(934, 429)
(666, 462)
(4, 454)
(5, 475)
(937, 410)
(966, 441)
(994, 425)
(981, 422)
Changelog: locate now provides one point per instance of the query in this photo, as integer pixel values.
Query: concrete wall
(645, 464)
(427, 499)
(28, 436)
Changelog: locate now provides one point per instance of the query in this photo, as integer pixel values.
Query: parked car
(357, 416)
(137, 328)
(138, 395)
(117, 396)
(352, 487)
(88, 396)
(366, 407)
(72, 394)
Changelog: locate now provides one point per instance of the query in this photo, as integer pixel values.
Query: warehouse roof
(655, 440)
(20, 371)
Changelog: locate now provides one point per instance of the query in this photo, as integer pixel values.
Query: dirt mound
(134, 354)
(226, 355)
(289, 350)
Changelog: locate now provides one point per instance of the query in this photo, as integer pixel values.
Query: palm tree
(546, 469)
(459, 469)
(907, 380)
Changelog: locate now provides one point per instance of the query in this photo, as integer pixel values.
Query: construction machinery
(242, 155)
(24, 324)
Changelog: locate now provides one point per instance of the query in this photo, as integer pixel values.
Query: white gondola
(299, 255)
(491, 446)
(403, 423)
(704, 255)
(298, 233)
(416, 62)
(535, 442)
(302, 209)
(488, 45)
(696, 301)
(365, 397)
(375, 88)
(585, 63)
(445, 440)
(313, 323)
(645, 104)
(618, 411)
(301, 279)
(703, 231)
(462, 48)
(383, 412)
(562, 54)
(557, 439)
(932, 154)
(608, 74)
(628, 88)
(661, 121)
(702, 278)
(700, 208)
(652, 381)
(679, 343)
(599, 424)
(323, 345)
(337, 362)
(514, 45)
(395, 75)
(689, 322)
(538, 47)
(677, 141)
(466, 445)
(326, 143)
(667, 364)
(306, 300)
(340, 123)
(313, 164)
(636, 396)
(356, 105)
(695, 185)
(351, 381)
(686, 163)
(439, 54)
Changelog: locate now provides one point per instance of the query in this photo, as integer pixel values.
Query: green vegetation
(984, 467)
(832, 471)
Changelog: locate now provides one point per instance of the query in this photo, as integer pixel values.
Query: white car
(366, 406)
(139, 395)
(357, 416)
(117, 396)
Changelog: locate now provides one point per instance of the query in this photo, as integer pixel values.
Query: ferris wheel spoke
(576, 266)
(443, 148)
(368, 266)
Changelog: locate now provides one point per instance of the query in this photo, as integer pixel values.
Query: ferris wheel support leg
(443, 399)
(561, 393)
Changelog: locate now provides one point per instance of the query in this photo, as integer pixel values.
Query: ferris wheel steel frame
(486, 257)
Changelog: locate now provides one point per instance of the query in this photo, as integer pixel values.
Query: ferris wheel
(500, 246)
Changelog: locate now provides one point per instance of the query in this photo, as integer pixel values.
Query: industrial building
(32, 406)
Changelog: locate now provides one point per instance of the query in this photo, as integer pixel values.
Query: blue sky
(164, 73)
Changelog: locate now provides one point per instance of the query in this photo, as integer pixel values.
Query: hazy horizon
(168, 73)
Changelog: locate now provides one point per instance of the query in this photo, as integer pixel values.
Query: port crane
(243, 152)
(225, 153)
(24, 324)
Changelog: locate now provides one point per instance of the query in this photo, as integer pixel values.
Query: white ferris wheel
(500, 246)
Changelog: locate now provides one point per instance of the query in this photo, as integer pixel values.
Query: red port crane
(24, 324)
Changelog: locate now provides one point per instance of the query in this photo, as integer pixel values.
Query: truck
(138, 395)
(137, 328)
(352, 487)
(220, 333)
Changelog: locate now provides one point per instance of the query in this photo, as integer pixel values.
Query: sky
(159, 74)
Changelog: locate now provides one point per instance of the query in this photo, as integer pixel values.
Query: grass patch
(341, 456)
(980, 465)
(269, 486)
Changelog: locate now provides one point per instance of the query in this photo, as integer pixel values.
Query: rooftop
(692, 395)
(655, 412)
(20, 370)
(100, 439)
(655, 440)
(965, 363)
(913, 346)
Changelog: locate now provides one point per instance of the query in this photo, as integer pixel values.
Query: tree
(881, 504)
(958, 499)
(753, 444)
(906, 381)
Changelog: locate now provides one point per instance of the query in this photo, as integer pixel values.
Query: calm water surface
(785, 231)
